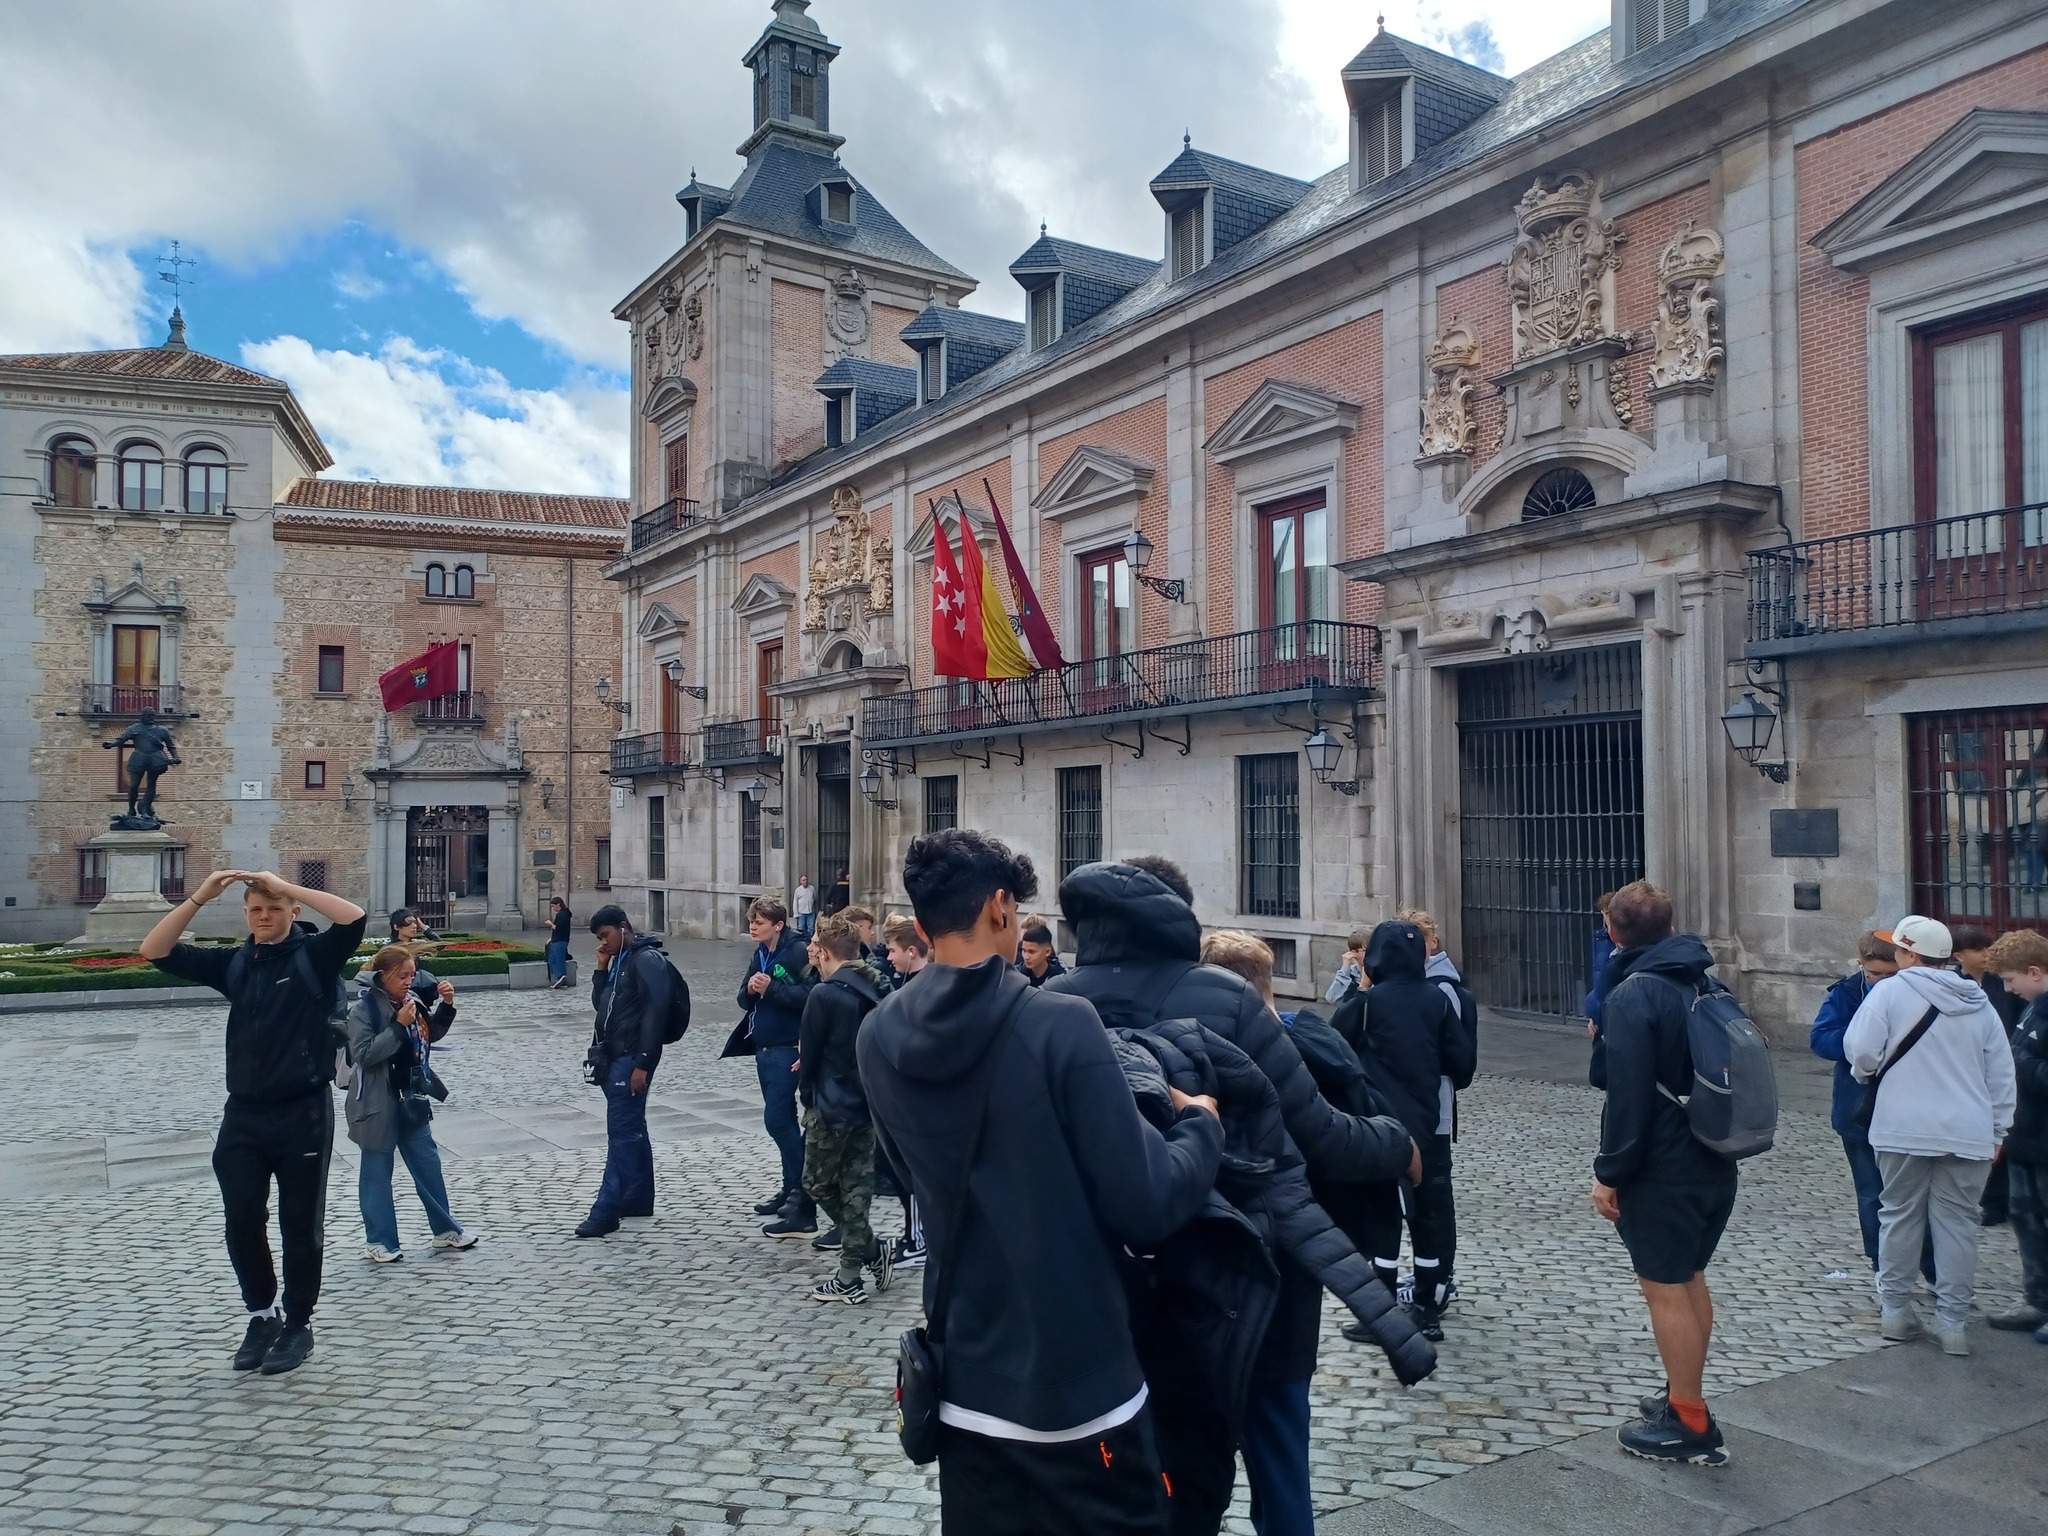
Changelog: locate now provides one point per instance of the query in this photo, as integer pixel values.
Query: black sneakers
(832, 1288)
(794, 1222)
(1665, 1437)
(883, 1266)
(828, 1241)
(773, 1205)
(263, 1332)
(294, 1342)
(598, 1226)
(909, 1255)
(1429, 1322)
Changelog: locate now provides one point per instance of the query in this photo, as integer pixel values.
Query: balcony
(736, 743)
(650, 752)
(463, 707)
(111, 701)
(1950, 579)
(670, 517)
(1299, 663)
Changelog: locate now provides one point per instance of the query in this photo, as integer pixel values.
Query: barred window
(941, 802)
(1269, 835)
(750, 841)
(170, 874)
(604, 863)
(313, 874)
(92, 874)
(1080, 818)
(657, 837)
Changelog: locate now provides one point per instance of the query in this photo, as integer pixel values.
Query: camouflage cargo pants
(839, 1173)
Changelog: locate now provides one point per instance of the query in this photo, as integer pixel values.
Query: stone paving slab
(675, 1376)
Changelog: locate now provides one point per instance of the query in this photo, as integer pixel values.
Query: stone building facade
(1424, 534)
(167, 543)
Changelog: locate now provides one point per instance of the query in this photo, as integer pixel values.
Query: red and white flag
(958, 648)
(435, 671)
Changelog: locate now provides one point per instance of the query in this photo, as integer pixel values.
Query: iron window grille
(313, 874)
(1978, 783)
(603, 880)
(1080, 815)
(92, 876)
(750, 841)
(657, 837)
(170, 874)
(1269, 835)
(941, 802)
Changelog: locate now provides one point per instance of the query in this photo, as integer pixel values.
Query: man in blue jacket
(773, 993)
(1044, 1415)
(1875, 960)
(631, 991)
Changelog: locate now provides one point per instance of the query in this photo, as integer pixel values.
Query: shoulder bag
(1866, 1106)
(921, 1352)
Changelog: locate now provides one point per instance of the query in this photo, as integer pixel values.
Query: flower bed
(51, 968)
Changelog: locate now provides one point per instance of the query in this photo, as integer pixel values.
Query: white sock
(270, 1312)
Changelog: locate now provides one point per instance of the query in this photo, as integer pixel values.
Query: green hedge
(50, 969)
(74, 980)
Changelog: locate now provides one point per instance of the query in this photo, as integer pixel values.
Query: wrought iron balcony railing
(110, 700)
(730, 743)
(651, 752)
(463, 707)
(1318, 658)
(1982, 573)
(670, 517)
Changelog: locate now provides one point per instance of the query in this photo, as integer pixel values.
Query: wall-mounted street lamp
(1138, 555)
(603, 690)
(348, 791)
(871, 787)
(1750, 722)
(547, 794)
(673, 670)
(756, 790)
(1324, 752)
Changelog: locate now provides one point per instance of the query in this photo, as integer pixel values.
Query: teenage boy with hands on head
(279, 1120)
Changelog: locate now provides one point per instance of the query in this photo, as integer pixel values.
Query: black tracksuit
(279, 1119)
(1409, 1038)
(1068, 1174)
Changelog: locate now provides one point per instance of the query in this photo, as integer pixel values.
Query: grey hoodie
(1954, 1094)
(1448, 979)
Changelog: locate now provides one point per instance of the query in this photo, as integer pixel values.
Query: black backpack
(676, 1023)
(334, 1024)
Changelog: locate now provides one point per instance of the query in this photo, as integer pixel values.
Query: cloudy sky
(420, 212)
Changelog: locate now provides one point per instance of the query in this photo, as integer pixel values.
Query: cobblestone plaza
(674, 1376)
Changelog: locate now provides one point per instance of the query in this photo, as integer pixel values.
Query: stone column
(504, 915)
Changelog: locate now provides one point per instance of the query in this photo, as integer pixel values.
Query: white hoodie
(1954, 1093)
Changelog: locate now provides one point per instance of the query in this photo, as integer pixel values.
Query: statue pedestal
(132, 906)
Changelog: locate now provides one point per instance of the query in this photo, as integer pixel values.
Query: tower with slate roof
(793, 270)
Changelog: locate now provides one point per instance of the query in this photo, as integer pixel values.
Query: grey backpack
(1733, 1106)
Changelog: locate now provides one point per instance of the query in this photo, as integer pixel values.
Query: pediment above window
(761, 596)
(137, 597)
(669, 399)
(1990, 169)
(661, 622)
(952, 509)
(1279, 416)
(1093, 477)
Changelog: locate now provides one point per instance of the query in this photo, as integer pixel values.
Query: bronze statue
(154, 752)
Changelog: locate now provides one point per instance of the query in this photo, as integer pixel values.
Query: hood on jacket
(949, 1018)
(1121, 914)
(864, 979)
(1440, 968)
(1950, 991)
(1396, 952)
(1681, 958)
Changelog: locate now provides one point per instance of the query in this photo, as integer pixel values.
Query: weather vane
(168, 272)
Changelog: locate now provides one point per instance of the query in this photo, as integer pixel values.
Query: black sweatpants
(1106, 1485)
(1379, 1211)
(291, 1142)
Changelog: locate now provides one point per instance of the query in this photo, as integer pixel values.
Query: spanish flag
(1006, 656)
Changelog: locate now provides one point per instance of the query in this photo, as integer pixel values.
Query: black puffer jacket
(827, 1074)
(1405, 1031)
(2027, 1141)
(1261, 1176)
(1138, 958)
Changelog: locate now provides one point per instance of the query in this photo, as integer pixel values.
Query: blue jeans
(558, 959)
(628, 1187)
(1274, 1443)
(373, 1187)
(806, 923)
(773, 1065)
(1869, 1192)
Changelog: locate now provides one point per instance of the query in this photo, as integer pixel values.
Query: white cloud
(355, 283)
(413, 414)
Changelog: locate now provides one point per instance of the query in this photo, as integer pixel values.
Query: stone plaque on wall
(1806, 834)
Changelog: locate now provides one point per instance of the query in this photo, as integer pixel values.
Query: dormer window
(1650, 22)
(839, 423)
(931, 373)
(1381, 141)
(839, 203)
(835, 203)
(1185, 237)
(1045, 315)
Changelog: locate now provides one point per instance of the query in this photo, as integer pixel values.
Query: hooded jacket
(1137, 956)
(1068, 1174)
(631, 996)
(775, 1018)
(1825, 1040)
(1644, 1135)
(1450, 981)
(1953, 1095)
(380, 1048)
(828, 1075)
(1262, 1176)
(2028, 1140)
(1406, 1030)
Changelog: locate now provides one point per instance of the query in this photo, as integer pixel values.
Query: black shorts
(1671, 1230)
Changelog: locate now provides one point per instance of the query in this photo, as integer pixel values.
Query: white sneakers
(455, 1239)
(377, 1253)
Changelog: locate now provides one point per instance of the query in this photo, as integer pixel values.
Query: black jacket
(2027, 1141)
(279, 1045)
(1406, 1031)
(776, 1016)
(631, 996)
(1644, 1136)
(828, 1075)
(1068, 1175)
(1261, 1175)
(1137, 957)
(1053, 968)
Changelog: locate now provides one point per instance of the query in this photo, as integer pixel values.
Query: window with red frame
(1978, 783)
(1981, 417)
(1294, 561)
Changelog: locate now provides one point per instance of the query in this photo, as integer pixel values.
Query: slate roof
(1388, 54)
(943, 322)
(1575, 81)
(1052, 254)
(773, 196)
(144, 363)
(864, 373)
(384, 502)
(1198, 168)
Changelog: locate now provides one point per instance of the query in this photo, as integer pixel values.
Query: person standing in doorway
(281, 986)
(803, 904)
(559, 919)
(777, 985)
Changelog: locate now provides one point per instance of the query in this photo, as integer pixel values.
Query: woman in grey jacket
(390, 1036)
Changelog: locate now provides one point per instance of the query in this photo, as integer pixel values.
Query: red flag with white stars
(958, 648)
